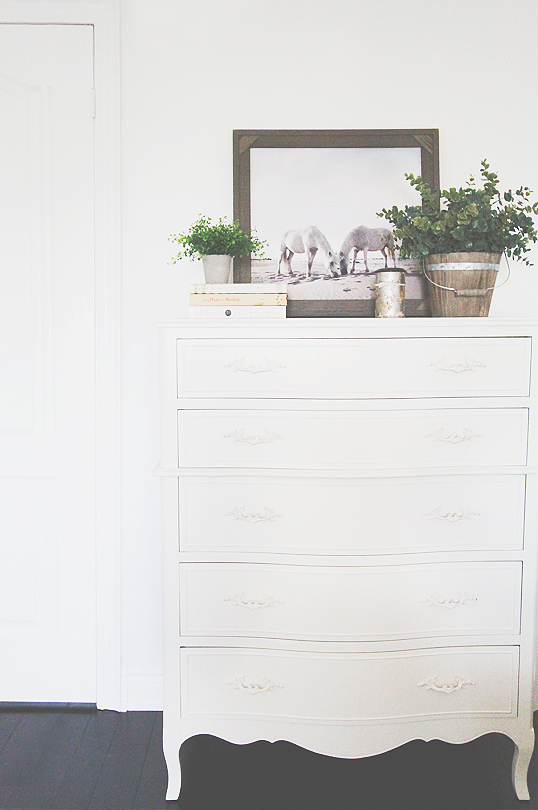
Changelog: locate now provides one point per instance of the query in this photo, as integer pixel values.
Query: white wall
(194, 70)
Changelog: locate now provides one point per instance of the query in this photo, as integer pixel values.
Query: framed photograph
(314, 196)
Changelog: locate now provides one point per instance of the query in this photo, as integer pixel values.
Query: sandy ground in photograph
(319, 286)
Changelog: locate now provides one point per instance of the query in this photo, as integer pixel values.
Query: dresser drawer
(362, 368)
(352, 440)
(347, 687)
(342, 516)
(350, 604)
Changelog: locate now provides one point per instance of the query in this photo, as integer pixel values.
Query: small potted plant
(216, 244)
(461, 234)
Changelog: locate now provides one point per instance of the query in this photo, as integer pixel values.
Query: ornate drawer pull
(448, 688)
(469, 364)
(253, 604)
(239, 435)
(459, 599)
(254, 517)
(452, 517)
(441, 435)
(265, 685)
(254, 368)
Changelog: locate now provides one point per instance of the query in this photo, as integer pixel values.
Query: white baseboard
(143, 690)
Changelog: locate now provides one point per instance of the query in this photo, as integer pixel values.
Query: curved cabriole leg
(171, 756)
(520, 765)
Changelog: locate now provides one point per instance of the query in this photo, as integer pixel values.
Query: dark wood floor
(66, 757)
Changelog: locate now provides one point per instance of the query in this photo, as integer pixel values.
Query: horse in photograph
(365, 239)
(308, 241)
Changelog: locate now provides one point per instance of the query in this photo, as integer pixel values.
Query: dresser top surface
(352, 327)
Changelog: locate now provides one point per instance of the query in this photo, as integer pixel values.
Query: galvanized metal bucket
(389, 293)
(461, 284)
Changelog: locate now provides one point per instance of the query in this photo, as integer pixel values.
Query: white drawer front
(349, 687)
(352, 440)
(378, 367)
(346, 604)
(352, 517)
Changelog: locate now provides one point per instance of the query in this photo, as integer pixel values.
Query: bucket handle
(468, 293)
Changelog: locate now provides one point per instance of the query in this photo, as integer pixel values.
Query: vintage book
(277, 287)
(232, 312)
(252, 299)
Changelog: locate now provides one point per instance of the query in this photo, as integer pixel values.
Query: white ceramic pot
(217, 269)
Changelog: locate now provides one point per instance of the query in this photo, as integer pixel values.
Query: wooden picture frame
(247, 140)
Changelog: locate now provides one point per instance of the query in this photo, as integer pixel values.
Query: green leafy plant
(221, 239)
(465, 220)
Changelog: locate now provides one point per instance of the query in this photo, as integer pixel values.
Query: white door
(47, 431)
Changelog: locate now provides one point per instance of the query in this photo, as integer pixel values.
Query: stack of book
(238, 300)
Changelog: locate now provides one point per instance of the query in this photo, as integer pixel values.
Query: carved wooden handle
(459, 599)
(469, 364)
(254, 368)
(443, 435)
(447, 688)
(240, 435)
(253, 604)
(254, 517)
(265, 685)
(452, 517)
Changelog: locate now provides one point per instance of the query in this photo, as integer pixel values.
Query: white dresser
(350, 521)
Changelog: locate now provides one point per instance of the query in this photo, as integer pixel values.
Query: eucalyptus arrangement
(223, 238)
(466, 220)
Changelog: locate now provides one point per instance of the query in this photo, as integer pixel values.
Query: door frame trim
(104, 16)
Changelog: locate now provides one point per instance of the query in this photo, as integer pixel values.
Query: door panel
(47, 431)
